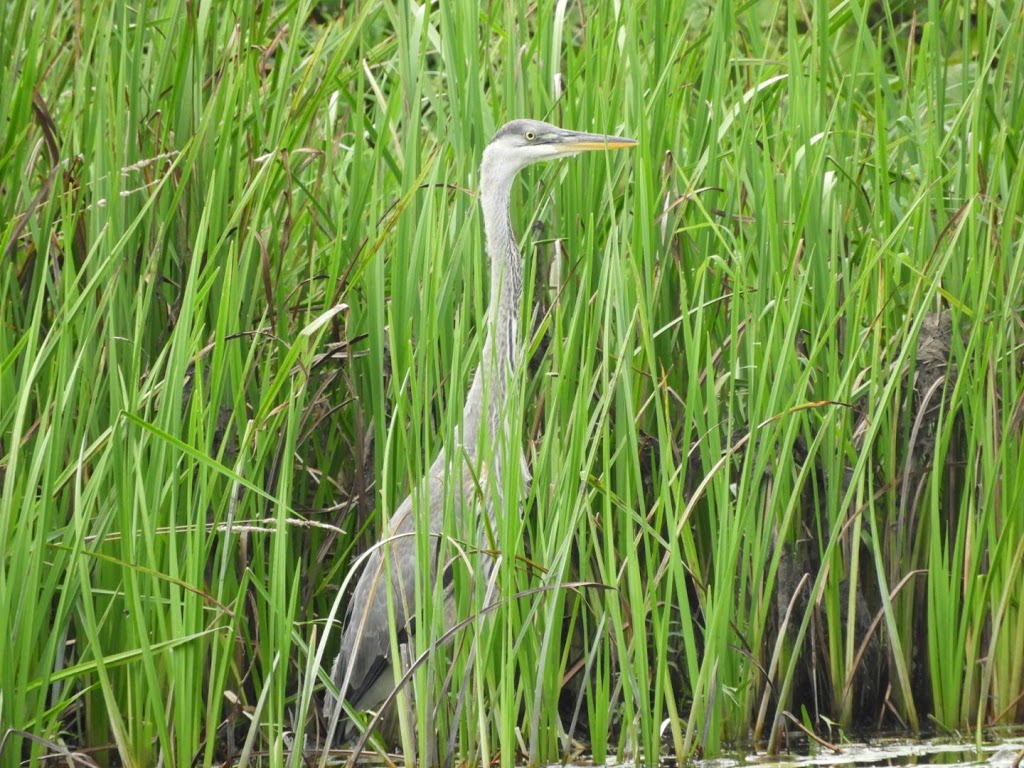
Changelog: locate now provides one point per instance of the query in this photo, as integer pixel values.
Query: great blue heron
(363, 669)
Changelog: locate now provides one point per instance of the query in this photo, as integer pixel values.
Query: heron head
(522, 142)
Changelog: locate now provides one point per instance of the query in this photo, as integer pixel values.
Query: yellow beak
(572, 141)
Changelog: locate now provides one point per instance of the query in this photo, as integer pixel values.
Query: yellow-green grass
(202, 199)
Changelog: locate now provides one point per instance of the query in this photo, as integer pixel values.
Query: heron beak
(582, 142)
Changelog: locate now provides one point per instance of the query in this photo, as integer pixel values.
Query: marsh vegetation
(773, 412)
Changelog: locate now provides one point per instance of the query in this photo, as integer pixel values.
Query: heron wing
(365, 656)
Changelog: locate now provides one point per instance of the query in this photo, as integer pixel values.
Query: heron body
(363, 669)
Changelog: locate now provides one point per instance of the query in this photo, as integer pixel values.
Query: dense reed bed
(773, 413)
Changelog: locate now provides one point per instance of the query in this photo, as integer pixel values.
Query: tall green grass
(243, 293)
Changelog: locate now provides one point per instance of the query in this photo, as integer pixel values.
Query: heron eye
(530, 135)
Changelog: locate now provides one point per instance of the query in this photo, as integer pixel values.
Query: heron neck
(500, 356)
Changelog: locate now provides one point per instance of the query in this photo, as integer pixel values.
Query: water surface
(1004, 753)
